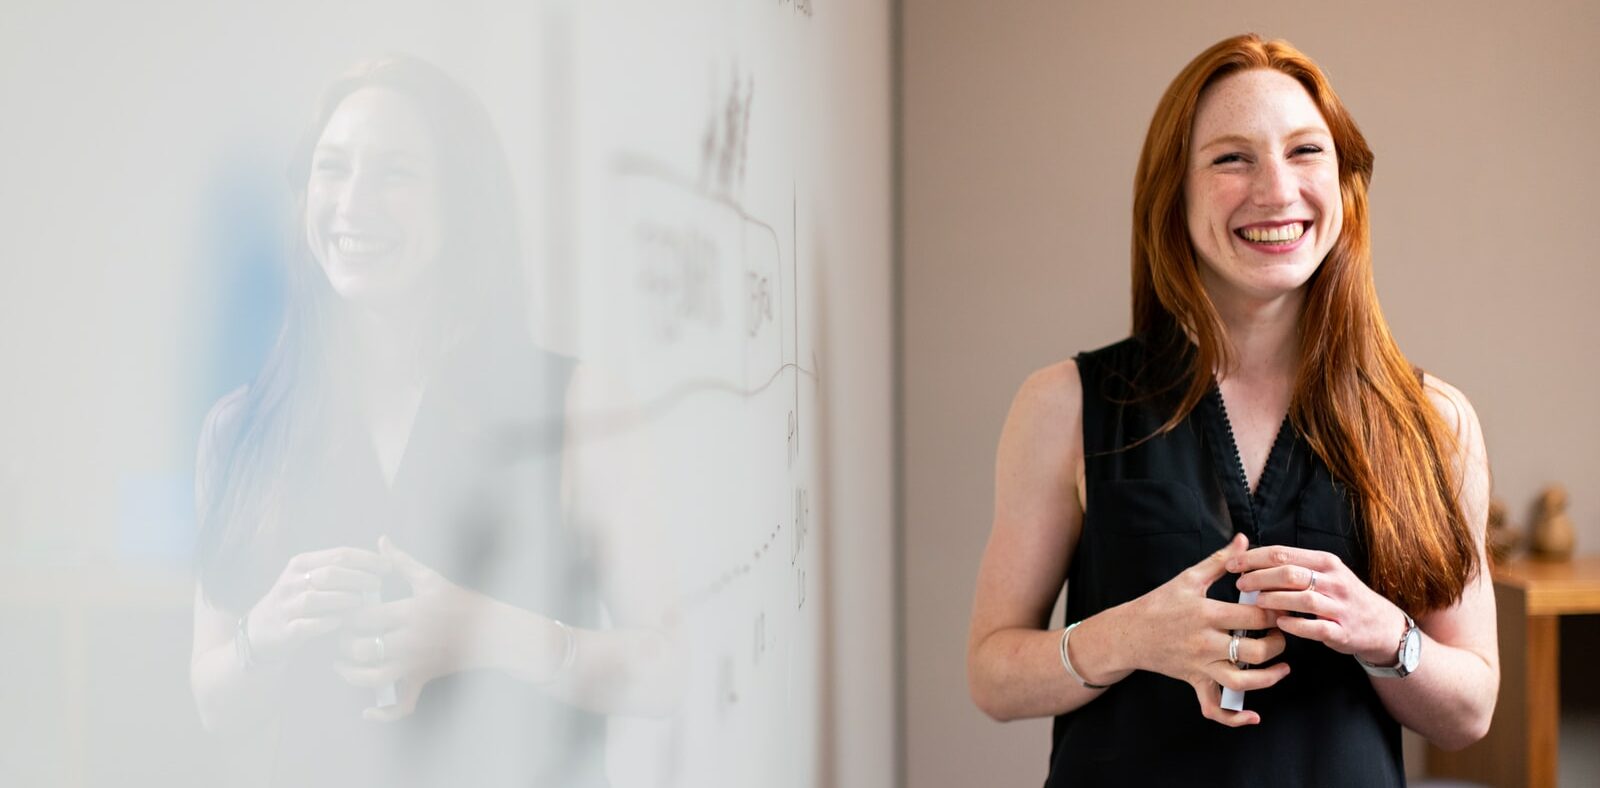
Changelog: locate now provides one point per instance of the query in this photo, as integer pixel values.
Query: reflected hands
(311, 597)
(410, 642)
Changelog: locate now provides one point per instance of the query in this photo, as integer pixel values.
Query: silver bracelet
(569, 654)
(1067, 663)
(243, 654)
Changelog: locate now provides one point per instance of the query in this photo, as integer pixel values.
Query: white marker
(386, 694)
(1232, 699)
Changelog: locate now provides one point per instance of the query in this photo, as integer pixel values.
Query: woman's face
(1262, 190)
(372, 202)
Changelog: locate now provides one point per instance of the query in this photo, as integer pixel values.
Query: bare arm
(1451, 697)
(633, 668)
(1013, 664)
(226, 696)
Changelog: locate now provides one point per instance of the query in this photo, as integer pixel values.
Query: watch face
(1410, 654)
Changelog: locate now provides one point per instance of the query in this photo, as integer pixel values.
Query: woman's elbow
(984, 694)
(1462, 738)
(1468, 731)
(987, 703)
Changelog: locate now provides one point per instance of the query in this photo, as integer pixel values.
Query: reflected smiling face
(372, 202)
(1262, 189)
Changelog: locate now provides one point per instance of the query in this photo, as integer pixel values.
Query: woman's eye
(329, 167)
(1308, 149)
(1228, 158)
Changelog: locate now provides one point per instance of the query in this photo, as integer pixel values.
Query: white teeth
(350, 245)
(1281, 234)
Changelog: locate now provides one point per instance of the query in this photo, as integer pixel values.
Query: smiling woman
(1260, 403)
(388, 595)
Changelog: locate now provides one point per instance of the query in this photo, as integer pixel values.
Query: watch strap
(1398, 670)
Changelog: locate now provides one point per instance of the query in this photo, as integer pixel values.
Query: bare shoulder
(1053, 393)
(1454, 407)
(1043, 431)
(1471, 458)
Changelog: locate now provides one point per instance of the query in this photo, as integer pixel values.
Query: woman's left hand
(410, 642)
(1351, 618)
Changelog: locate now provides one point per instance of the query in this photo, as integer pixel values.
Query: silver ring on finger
(377, 643)
(1312, 586)
(1233, 650)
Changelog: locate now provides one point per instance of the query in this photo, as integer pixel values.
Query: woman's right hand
(311, 597)
(1179, 632)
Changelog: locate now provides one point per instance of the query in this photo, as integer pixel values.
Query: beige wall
(1021, 125)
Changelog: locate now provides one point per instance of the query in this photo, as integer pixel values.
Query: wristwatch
(1409, 655)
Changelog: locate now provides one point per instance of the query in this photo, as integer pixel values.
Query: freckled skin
(1285, 167)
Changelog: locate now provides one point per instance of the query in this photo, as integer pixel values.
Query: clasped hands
(1183, 634)
(406, 642)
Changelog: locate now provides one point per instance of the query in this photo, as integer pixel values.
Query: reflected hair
(1357, 400)
(272, 436)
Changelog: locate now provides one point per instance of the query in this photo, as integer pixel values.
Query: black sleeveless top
(1162, 506)
(483, 510)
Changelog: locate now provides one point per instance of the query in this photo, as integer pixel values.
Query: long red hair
(1357, 400)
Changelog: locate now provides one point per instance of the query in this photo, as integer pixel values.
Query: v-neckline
(1227, 458)
(386, 476)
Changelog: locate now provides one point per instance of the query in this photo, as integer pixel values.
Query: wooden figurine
(1552, 531)
(1503, 538)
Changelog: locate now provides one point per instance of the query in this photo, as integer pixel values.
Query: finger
(1232, 615)
(405, 702)
(362, 650)
(349, 557)
(1252, 651)
(340, 578)
(1292, 577)
(1210, 696)
(410, 568)
(306, 628)
(371, 676)
(1214, 566)
(1330, 633)
(1299, 602)
(1257, 651)
(315, 604)
(1282, 555)
(1246, 680)
(378, 619)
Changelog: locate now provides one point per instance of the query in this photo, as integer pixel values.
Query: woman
(387, 595)
(1260, 431)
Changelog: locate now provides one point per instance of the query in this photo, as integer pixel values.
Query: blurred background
(703, 205)
(1021, 125)
(820, 244)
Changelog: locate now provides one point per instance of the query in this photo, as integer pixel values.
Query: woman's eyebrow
(1240, 139)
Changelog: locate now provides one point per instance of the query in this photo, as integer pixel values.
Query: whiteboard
(704, 193)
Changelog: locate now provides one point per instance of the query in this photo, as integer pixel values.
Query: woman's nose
(360, 194)
(1275, 184)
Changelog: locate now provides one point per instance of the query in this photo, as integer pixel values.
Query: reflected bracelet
(569, 653)
(1067, 663)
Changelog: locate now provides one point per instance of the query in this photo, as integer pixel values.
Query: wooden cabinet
(1521, 748)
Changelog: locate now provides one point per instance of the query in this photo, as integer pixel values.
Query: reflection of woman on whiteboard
(1260, 432)
(391, 592)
